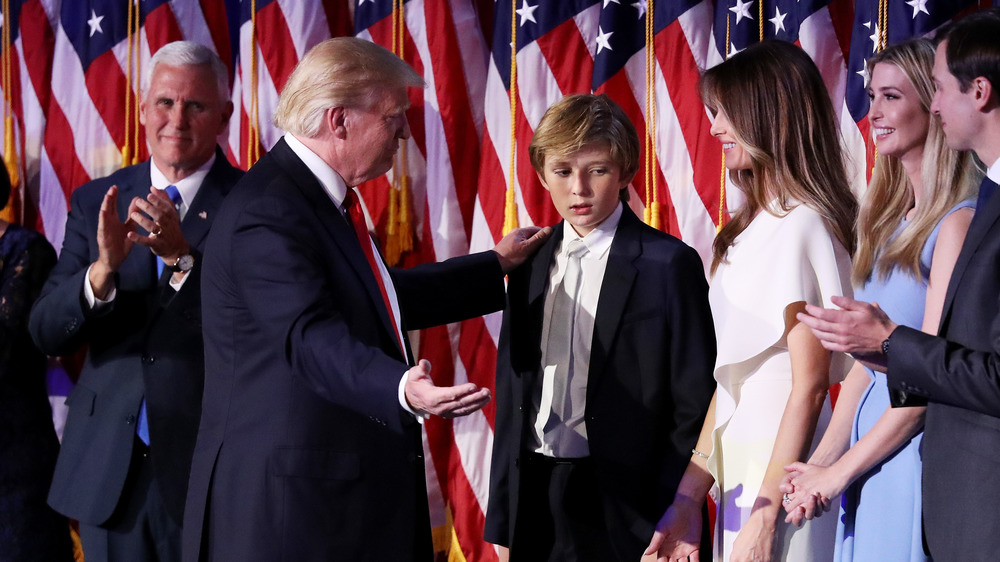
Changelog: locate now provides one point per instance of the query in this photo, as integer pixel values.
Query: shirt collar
(597, 241)
(994, 172)
(331, 181)
(187, 187)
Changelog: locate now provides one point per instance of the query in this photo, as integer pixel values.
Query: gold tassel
(510, 221)
(10, 152)
(392, 250)
(399, 223)
(10, 212)
(405, 216)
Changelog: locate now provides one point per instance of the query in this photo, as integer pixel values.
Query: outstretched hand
(678, 534)
(445, 401)
(519, 245)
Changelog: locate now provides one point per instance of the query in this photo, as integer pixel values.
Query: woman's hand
(678, 534)
(813, 481)
(755, 542)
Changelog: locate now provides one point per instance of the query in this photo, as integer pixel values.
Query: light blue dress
(880, 512)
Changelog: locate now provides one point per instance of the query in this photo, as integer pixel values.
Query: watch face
(185, 263)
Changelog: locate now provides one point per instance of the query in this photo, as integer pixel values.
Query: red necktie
(357, 220)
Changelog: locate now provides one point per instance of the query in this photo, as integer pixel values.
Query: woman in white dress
(787, 246)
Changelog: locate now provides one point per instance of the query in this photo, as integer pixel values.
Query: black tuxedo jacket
(649, 387)
(304, 452)
(958, 373)
(146, 343)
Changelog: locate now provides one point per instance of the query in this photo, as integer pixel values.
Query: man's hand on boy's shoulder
(519, 245)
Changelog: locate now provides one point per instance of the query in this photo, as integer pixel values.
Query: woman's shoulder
(18, 240)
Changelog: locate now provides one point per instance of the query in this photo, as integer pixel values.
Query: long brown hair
(781, 115)
(946, 177)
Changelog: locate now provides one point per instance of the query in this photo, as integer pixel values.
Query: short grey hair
(339, 72)
(189, 53)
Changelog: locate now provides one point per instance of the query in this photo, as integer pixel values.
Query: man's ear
(983, 93)
(227, 113)
(336, 121)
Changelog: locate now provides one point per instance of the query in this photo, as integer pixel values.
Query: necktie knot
(575, 249)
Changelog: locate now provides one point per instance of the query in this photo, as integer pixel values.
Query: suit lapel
(615, 289)
(198, 219)
(333, 221)
(529, 364)
(982, 223)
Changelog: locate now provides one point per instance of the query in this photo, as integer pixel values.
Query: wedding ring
(156, 232)
(786, 499)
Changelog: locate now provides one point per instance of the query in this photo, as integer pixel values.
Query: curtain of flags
(71, 79)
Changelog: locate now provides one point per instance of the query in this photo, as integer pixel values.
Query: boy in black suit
(604, 367)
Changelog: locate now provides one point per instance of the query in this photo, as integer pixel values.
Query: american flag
(71, 77)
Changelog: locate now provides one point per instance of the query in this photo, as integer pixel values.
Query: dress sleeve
(795, 258)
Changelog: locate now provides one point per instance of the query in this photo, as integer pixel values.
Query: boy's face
(584, 185)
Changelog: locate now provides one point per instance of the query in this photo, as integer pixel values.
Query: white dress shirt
(567, 438)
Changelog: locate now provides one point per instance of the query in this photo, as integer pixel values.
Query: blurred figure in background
(29, 529)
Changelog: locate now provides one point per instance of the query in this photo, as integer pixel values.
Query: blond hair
(946, 177)
(581, 119)
(339, 72)
(782, 116)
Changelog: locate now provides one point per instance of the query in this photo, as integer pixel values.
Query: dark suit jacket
(959, 373)
(649, 387)
(148, 342)
(304, 452)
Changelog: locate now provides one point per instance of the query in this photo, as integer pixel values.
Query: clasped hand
(809, 489)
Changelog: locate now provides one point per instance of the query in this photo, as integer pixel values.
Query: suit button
(521, 407)
(130, 419)
(517, 462)
(148, 359)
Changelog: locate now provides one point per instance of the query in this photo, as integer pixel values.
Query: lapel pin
(203, 215)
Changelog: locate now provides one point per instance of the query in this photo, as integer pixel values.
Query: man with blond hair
(309, 446)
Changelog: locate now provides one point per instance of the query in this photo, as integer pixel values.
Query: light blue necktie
(142, 428)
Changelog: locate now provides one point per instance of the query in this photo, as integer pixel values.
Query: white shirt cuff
(94, 303)
(176, 285)
(421, 416)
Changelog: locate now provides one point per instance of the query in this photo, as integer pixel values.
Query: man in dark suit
(133, 416)
(957, 374)
(604, 367)
(309, 446)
